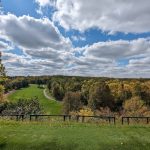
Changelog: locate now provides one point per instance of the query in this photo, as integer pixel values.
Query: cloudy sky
(76, 37)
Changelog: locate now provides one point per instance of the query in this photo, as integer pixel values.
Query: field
(49, 106)
(72, 136)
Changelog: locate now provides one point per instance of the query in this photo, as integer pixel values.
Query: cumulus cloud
(101, 59)
(47, 52)
(119, 49)
(107, 15)
(28, 32)
(43, 46)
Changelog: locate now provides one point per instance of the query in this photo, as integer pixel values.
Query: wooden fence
(110, 119)
(138, 118)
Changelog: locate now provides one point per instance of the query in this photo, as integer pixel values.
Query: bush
(22, 106)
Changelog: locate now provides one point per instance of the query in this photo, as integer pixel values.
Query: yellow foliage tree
(135, 107)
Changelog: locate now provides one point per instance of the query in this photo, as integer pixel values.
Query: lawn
(49, 106)
(72, 136)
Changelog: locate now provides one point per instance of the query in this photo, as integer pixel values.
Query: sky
(105, 38)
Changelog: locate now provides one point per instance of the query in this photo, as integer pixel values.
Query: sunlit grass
(72, 136)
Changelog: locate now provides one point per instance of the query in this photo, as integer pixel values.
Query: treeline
(18, 82)
(97, 93)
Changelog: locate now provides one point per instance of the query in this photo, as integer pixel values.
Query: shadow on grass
(3, 143)
(54, 144)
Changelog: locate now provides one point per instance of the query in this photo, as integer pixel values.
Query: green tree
(2, 69)
(2, 79)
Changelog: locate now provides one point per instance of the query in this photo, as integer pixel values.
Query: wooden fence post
(36, 117)
(114, 120)
(22, 117)
(77, 118)
(30, 117)
(147, 120)
(64, 118)
(69, 117)
(82, 118)
(122, 120)
(128, 120)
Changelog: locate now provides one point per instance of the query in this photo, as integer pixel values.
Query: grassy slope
(51, 107)
(72, 136)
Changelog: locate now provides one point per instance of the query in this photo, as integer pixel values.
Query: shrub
(22, 106)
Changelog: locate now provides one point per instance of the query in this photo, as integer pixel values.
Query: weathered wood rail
(128, 119)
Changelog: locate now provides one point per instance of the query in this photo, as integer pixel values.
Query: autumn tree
(100, 96)
(135, 107)
(72, 102)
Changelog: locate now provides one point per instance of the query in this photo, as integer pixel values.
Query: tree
(2, 69)
(135, 107)
(100, 96)
(2, 78)
(57, 90)
(1, 93)
(72, 102)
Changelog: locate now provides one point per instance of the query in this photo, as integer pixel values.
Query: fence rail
(110, 119)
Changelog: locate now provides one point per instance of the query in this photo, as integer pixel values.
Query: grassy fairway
(72, 136)
(50, 106)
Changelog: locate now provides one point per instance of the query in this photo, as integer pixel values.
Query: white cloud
(107, 15)
(28, 32)
(46, 51)
(43, 3)
(101, 59)
(43, 46)
(119, 49)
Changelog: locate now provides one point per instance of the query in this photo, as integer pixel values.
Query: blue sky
(97, 38)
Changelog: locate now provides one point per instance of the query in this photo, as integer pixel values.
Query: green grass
(50, 106)
(72, 136)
